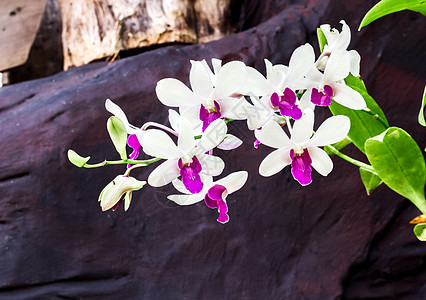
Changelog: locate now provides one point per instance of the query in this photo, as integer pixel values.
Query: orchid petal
(331, 131)
(230, 79)
(338, 66)
(116, 111)
(186, 199)
(344, 37)
(200, 79)
(192, 114)
(346, 96)
(237, 109)
(303, 128)
(355, 60)
(172, 92)
(271, 134)
(211, 165)
(230, 142)
(127, 200)
(217, 64)
(234, 181)
(178, 185)
(275, 162)
(321, 162)
(212, 136)
(259, 113)
(119, 113)
(174, 119)
(302, 59)
(256, 83)
(274, 75)
(186, 141)
(158, 144)
(164, 173)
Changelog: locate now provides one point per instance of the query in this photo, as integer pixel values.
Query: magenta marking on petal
(275, 99)
(287, 104)
(116, 205)
(133, 143)
(191, 180)
(322, 98)
(222, 209)
(256, 143)
(301, 166)
(190, 175)
(210, 202)
(289, 96)
(328, 90)
(209, 115)
(216, 192)
(223, 218)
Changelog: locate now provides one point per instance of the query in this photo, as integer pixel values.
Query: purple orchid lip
(214, 199)
(301, 167)
(256, 143)
(209, 115)
(133, 143)
(287, 104)
(190, 175)
(322, 98)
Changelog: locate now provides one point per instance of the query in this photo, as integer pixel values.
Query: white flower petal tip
(275, 162)
(234, 181)
(230, 142)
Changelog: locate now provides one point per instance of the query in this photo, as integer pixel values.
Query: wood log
(95, 29)
(19, 22)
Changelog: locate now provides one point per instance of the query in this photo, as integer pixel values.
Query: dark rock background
(328, 240)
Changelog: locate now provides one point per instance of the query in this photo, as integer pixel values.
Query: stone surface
(324, 241)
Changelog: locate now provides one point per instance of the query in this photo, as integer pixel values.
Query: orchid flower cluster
(279, 108)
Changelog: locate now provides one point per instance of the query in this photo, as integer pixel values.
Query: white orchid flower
(302, 149)
(213, 95)
(213, 193)
(329, 85)
(187, 158)
(339, 41)
(278, 91)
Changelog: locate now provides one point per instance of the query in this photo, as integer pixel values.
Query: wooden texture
(94, 29)
(19, 22)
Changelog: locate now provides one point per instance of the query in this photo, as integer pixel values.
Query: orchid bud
(121, 187)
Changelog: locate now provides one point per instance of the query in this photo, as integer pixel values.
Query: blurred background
(61, 59)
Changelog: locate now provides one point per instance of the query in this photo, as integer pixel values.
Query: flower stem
(351, 160)
(148, 124)
(141, 163)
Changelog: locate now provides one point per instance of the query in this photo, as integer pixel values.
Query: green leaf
(370, 180)
(420, 231)
(400, 164)
(117, 132)
(76, 159)
(322, 40)
(364, 125)
(356, 82)
(422, 120)
(386, 7)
